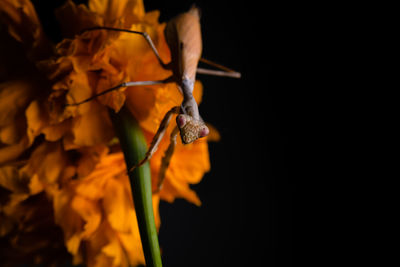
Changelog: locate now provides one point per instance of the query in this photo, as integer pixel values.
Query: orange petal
(35, 185)
(140, 101)
(118, 206)
(95, 185)
(12, 133)
(14, 97)
(131, 240)
(133, 245)
(75, 18)
(73, 242)
(24, 26)
(114, 250)
(55, 132)
(214, 135)
(48, 161)
(11, 180)
(90, 212)
(11, 152)
(114, 99)
(36, 118)
(174, 189)
(92, 128)
(187, 166)
(6, 225)
(191, 162)
(79, 88)
(92, 188)
(113, 11)
(94, 245)
(89, 158)
(68, 219)
(104, 248)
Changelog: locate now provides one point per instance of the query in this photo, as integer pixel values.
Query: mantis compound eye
(191, 129)
(181, 120)
(204, 131)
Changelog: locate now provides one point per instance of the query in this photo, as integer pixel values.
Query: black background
(248, 214)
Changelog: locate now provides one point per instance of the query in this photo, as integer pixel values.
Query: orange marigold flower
(98, 211)
(65, 158)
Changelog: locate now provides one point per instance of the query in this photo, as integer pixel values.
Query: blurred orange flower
(67, 156)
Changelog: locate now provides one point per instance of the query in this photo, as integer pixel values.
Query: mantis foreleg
(167, 158)
(158, 136)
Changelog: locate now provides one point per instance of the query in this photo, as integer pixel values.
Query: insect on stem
(183, 36)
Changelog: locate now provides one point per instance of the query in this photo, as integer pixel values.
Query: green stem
(134, 147)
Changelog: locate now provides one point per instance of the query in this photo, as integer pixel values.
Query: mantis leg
(144, 34)
(158, 137)
(125, 84)
(218, 73)
(167, 158)
(224, 71)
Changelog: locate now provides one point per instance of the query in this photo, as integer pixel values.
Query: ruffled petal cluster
(61, 166)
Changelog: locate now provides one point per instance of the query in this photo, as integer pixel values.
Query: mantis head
(190, 128)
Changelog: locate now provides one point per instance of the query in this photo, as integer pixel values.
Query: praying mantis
(183, 36)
